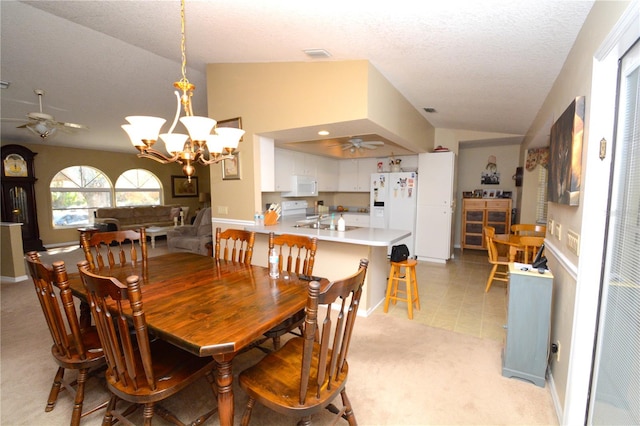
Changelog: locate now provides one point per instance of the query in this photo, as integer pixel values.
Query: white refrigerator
(436, 206)
(393, 202)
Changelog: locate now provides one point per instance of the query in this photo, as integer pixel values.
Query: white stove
(294, 208)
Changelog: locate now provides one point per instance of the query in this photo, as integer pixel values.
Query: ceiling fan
(44, 125)
(354, 144)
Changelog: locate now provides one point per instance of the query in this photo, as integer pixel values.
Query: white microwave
(302, 186)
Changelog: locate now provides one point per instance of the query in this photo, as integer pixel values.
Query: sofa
(192, 238)
(134, 217)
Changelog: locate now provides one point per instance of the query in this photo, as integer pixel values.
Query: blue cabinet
(526, 350)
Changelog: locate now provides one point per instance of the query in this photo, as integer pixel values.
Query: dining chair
(529, 229)
(307, 374)
(500, 262)
(235, 245)
(103, 248)
(530, 246)
(296, 255)
(74, 347)
(141, 371)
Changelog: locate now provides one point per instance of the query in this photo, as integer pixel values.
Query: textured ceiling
(483, 65)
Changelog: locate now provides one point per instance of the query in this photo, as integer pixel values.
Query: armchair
(192, 238)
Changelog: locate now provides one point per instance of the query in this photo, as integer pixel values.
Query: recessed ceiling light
(317, 53)
(429, 110)
(323, 132)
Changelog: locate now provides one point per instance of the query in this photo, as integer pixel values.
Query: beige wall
(279, 96)
(52, 159)
(574, 80)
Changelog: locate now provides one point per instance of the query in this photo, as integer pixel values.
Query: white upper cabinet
(327, 174)
(284, 160)
(267, 164)
(355, 174)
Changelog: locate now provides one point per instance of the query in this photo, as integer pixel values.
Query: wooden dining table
(513, 242)
(210, 307)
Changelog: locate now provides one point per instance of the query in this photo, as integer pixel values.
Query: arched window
(138, 187)
(75, 193)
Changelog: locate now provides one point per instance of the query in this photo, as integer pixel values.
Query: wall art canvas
(565, 155)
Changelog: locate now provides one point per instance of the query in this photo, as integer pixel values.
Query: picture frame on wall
(231, 167)
(181, 187)
(565, 155)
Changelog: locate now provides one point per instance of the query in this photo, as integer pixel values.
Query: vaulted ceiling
(483, 65)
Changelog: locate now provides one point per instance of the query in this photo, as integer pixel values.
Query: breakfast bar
(339, 253)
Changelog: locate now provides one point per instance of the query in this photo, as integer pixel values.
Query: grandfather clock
(18, 194)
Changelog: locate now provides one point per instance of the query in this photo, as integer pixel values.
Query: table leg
(153, 241)
(512, 253)
(224, 382)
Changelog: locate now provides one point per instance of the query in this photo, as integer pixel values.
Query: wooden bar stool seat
(410, 291)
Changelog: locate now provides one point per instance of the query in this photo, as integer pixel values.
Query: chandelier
(189, 149)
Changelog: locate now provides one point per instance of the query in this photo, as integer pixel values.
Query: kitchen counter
(339, 254)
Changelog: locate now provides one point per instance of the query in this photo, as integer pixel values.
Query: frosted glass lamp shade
(214, 143)
(230, 135)
(174, 142)
(146, 128)
(136, 140)
(198, 127)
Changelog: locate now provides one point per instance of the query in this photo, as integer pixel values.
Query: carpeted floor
(401, 373)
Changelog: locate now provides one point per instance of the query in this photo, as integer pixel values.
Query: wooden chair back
(297, 252)
(129, 361)
(103, 248)
(235, 245)
(492, 250)
(74, 346)
(499, 263)
(45, 278)
(334, 346)
(530, 246)
(529, 229)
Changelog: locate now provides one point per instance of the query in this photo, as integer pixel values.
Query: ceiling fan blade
(369, 146)
(23, 126)
(347, 146)
(72, 125)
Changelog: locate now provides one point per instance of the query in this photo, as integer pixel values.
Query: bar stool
(411, 285)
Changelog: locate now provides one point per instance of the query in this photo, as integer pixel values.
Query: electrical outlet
(550, 226)
(573, 242)
(558, 231)
(223, 210)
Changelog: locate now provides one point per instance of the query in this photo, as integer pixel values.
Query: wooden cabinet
(355, 174)
(478, 213)
(525, 352)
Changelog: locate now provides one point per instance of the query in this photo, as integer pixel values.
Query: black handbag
(399, 253)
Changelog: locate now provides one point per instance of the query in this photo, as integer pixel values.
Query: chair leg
(246, 416)
(305, 421)
(415, 287)
(409, 285)
(276, 343)
(107, 420)
(147, 413)
(490, 280)
(55, 390)
(348, 412)
(389, 286)
(77, 404)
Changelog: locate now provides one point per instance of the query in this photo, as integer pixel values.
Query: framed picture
(236, 123)
(231, 167)
(565, 155)
(181, 187)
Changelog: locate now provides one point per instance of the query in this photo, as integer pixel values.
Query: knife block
(270, 218)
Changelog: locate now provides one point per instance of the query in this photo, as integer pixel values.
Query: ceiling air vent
(317, 53)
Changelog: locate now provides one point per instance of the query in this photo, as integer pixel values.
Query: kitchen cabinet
(526, 344)
(283, 169)
(355, 174)
(327, 174)
(304, 164)
(478, 213)
(267, 165)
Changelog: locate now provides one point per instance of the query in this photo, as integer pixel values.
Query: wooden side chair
(235, 245)
(500, 263)
(529, 229)
(74, 347)
(530, 246)
(297, 255)
(140, 371)
(306, 375)
(107, 248)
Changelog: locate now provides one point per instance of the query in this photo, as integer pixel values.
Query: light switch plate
(550, 226)
(223, 210)
(573, 242)
(558, 231)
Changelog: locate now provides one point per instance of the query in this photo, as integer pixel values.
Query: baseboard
(13, 279)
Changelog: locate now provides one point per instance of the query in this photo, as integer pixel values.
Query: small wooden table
(211, 308)
(511, 240)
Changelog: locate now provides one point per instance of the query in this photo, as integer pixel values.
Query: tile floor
(452, 297)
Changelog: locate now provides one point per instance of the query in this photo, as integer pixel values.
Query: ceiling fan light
(230, 136)
(146, 128)
(42, 129)
(198, 127)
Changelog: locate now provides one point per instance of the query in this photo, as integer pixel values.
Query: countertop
(361, 236)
